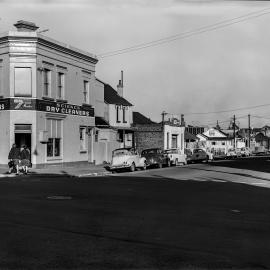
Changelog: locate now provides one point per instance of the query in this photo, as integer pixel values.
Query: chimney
(183, 124)
(24, 26)
(163, 116)
(120, 86)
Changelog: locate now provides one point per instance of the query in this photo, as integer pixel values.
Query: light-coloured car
(188, 153)
(127, 158)
(175, 156)
(231, 153)
(245, 152)
(200, 155)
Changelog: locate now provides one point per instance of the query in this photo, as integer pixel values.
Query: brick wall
(148, 136)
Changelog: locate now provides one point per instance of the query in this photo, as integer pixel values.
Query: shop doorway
(23, 136)
(23, 139)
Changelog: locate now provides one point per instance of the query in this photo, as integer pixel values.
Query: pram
(13, 167)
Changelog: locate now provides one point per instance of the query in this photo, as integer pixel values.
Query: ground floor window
(54, 128)
(82, 138)
(53, 147)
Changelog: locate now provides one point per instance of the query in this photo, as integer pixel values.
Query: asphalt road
(202, 216)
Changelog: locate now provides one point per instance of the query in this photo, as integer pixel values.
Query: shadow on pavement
(260, 164)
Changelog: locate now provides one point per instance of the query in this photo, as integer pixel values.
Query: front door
(23, 136)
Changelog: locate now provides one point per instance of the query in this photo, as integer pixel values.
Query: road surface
(192, 217)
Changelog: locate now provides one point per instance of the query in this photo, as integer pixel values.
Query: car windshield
(171, 151)
(150, 151)
(121, 152)
(197, 150)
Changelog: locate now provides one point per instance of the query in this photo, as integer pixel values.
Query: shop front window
(82, 138)
(54, 128)
(53, 147)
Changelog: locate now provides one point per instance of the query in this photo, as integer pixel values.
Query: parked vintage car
(245, 152)
(188, 153)
(155, 157)
(231, 153)
(238, 152)
(176, 157)
(200, 155)
(127, 158)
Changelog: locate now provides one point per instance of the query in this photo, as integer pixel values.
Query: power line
(231, 110)
(187, 34)
(225, 121)
(261, 117)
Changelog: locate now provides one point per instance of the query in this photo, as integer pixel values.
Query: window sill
(83, 151)
(124, 122)
(54, 158)
(48, 98)
(61, 100)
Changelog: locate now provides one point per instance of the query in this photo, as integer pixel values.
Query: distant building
(165, 135)
(195, 129)
(215, 141)
(262, 141)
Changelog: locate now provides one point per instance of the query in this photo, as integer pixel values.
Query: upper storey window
(60, 85)
(23, 82)
(85, 91)
(46, 83)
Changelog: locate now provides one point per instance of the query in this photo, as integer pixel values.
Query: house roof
(101, 122)
(189, 136)
(111, 96)
(140, 119)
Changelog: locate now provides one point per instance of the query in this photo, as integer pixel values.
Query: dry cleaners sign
(45, 106)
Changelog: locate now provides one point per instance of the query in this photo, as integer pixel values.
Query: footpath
(73, 170)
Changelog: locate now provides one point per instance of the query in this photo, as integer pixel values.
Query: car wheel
(132, 167)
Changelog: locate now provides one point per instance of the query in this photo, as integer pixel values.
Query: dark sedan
(155, 157)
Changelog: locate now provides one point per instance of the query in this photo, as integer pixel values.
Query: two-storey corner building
(47, 97)
(113, 124)
(165, 135)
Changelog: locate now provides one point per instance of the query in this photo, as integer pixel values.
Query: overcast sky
(213, 71)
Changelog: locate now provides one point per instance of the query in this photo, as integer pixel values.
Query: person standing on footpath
(25, 158)
(14, 156)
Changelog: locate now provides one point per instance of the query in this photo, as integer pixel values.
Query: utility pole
(249, 130)
(234, 142)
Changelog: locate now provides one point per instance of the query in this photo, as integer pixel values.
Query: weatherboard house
(47, 97)
(215, 141)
